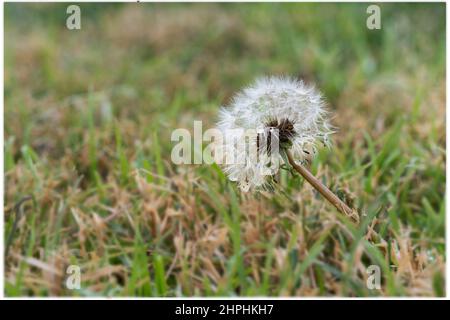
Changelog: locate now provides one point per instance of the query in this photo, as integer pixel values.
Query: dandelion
(290, 120)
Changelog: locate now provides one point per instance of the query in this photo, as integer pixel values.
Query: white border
(220, 298)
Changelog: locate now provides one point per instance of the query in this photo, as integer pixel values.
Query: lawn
(89, 181)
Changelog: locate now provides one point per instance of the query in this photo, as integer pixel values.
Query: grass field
(88, 116)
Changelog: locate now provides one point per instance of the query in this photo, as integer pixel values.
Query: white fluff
(272, 98)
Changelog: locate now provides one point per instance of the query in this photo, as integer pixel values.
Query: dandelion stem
(324, 191)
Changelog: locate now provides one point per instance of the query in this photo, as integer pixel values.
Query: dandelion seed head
(295, 109)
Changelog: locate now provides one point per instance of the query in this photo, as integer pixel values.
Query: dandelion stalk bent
(324, 191)
(291, 119)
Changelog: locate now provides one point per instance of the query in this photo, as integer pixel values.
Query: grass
(88, 176)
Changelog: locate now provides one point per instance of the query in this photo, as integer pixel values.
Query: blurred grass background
(88, 178)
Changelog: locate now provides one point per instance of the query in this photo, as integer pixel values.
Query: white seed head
(272, 102)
